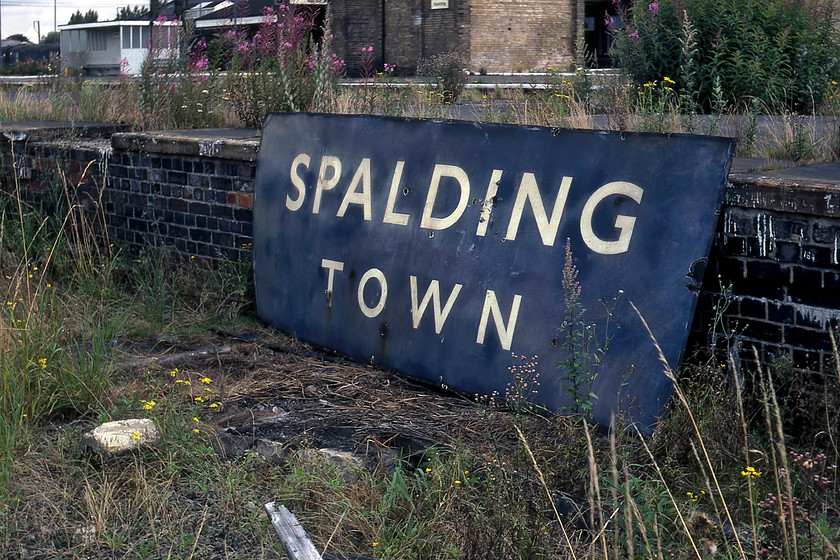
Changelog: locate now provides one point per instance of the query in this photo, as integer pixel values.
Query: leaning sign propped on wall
(449, 251)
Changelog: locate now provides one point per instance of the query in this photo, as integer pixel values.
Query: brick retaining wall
(775, 254)
(193, 194)
(776, 257)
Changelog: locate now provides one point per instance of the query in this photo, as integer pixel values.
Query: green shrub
(782, 52)
(448, 71)
(29, 68)
(283, 68)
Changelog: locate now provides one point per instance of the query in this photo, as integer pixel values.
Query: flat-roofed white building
(106, 48)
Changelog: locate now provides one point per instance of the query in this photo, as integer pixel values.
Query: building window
(78, 40)
(135, 37)
(97, 41)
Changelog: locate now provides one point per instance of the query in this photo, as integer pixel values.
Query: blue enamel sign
(439, 249)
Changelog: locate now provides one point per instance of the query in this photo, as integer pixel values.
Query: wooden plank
(294, 539)
(169, 360)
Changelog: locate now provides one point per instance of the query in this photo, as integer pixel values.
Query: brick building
(491, 35)
(494, 35)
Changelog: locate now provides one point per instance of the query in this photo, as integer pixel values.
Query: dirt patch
(179, 498)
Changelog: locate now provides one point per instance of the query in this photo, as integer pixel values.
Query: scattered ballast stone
(120, 436)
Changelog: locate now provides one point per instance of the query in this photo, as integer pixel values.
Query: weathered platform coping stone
(55, 130)
(225, 143)
(121, 436)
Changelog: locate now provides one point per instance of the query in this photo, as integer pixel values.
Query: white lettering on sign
(433, 295)
(487, 205)
(353, 196)
(624, 223)
(529, 191)
(373, 274)
(392, 217)
(331, 266)
(295, 204)
(360, 193)
(491, 309)
(455, 172)
(324, 183)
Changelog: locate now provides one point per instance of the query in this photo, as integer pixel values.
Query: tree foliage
(90, 17)
(133, 13)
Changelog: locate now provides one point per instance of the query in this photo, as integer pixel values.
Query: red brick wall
(410, 32)
(497, 35)
(510, 35)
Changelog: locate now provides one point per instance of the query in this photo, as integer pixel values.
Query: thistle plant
(580, 342)
(689, 70)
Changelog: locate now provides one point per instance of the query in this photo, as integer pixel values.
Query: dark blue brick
(786, 229)
(243, 214)
(825, 232)
(200, 235)
(157, 175)
(222, 212)
(787, 251)
(807, 339)
(762, 330)
(137, 224)
(831, 280)
(202, 181)
(731, 245)
(221, 239)
(816, 255)
(221, 183)
(811, 361)
(199, 208)
(779, 312)
(177, 178)
(752, 308)
(177, 231)
(178, 205)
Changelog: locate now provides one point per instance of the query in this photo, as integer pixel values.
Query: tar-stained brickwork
(772, 282)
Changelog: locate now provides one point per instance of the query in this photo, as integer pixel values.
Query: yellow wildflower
(750, 472)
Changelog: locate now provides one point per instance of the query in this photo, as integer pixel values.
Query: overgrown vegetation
(744, 466)
(781, 52)
(739, 469)
(764, 72)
